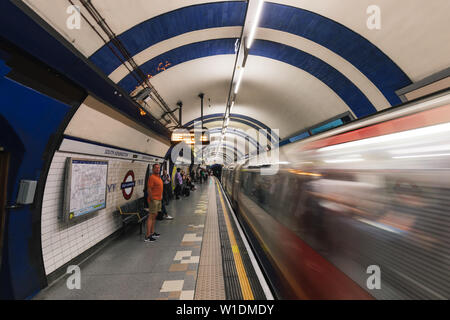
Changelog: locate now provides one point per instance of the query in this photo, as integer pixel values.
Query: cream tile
(191, 237)
(181, 254)
(187, 295)
(172, 285)
(193, 259)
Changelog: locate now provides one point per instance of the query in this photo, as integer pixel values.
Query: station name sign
(74, 146)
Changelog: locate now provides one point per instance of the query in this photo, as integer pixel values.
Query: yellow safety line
(247, 293)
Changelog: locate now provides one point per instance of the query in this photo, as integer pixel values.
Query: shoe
(155, 235)
(167, 217)
(149, 239)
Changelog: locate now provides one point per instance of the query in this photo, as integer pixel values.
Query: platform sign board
(85, 188)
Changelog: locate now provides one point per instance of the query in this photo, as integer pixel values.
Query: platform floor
(185, 263)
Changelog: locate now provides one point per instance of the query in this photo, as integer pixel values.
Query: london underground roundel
(128, 184)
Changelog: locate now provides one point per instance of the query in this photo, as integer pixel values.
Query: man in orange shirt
(155, 192)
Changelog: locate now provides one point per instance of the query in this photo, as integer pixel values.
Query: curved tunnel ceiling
(311, 60)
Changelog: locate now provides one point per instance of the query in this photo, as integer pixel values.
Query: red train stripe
(418, 120)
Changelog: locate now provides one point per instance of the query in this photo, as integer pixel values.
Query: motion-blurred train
(357, 212)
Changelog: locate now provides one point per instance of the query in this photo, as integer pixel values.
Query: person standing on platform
(203, 173)
(199, 172)
(155, 193)
(166, 189)
(165, 216)
(192, 175)
(178, 183)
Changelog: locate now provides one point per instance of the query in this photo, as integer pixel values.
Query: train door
(4, 162)
(235, 185)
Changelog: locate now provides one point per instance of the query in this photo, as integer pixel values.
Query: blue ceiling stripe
(370, 60)
(248, 123)
(235, 117)
(341, 85)
(172, 24)
(237, 133)
(179, 55)
(229, 147)
(234, 151)
(335, 80)
(253, 123)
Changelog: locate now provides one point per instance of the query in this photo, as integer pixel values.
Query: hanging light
(238, 83)
(231, 107)
(255, 24)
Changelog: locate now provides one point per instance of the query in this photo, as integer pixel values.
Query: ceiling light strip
(255, 24)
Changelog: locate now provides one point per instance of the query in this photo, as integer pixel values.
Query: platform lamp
(204, 138)
(178, 137)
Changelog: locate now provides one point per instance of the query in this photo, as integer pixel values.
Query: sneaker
(149, 239)
(155, 235)
(167, 217)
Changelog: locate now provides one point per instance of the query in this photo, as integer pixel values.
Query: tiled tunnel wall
(61, 242)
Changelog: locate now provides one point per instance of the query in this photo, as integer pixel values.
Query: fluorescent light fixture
(304, 162)
(423, 156)
(304, 173)
(345, 160)
(378, 225)
(445, 147)
(255, 24)
(410, 134)
(238, 83)
(227, 122)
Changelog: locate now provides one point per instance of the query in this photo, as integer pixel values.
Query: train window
(245, 183)
(321, 127)
(329, 125)
(300, 136)
(332, 123)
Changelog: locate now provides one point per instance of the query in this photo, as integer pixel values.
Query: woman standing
(167, 186)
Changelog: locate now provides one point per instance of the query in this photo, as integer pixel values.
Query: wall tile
(61, 242)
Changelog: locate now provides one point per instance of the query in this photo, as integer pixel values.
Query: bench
(133, 212)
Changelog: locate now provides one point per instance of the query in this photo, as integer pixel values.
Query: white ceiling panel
(268, 86)
(120, 15)
(413, 33)
(343, 66)
(175, 42)
(284, 97)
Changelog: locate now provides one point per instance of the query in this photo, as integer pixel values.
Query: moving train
(358, 212)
